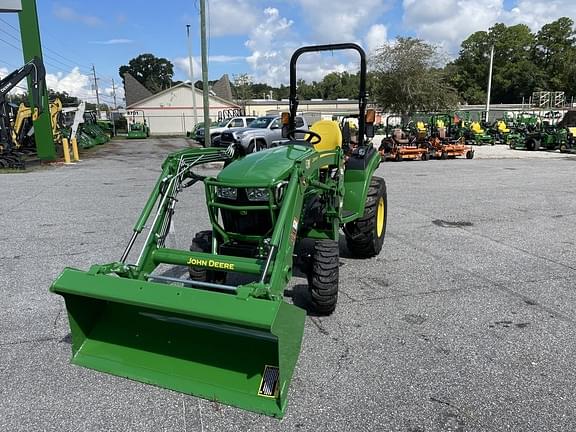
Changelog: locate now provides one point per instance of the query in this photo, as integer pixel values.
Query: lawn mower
(235, 343)
(137, 129)
(399, 146)
(442, 143)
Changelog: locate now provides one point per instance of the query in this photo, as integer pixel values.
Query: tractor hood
(264, 167)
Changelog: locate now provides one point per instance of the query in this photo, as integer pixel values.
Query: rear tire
(469, 154)
(365, 236)
(323, 276)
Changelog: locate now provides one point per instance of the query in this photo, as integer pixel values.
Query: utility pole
(114, 94)
(97, 95)
(205, 89)
(489, 83)
(191, 64)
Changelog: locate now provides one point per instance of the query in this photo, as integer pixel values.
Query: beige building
(170, 112)
(326, 108)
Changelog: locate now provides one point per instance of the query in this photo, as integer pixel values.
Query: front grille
(227, 137)
(253, 222)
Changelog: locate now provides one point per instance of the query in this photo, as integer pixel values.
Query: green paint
(30, 35)
(209, 343)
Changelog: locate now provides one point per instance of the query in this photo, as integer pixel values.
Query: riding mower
(137, 129)
(400, 146)
(442, 143)
(478, 134)
(235, 343)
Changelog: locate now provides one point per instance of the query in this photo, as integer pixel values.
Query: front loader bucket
(222, 347)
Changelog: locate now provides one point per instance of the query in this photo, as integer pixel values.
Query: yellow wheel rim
(380, 217)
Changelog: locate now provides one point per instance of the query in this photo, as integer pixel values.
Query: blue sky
(252, 36)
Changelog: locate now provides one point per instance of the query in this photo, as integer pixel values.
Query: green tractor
(137, 129)
(546, 137)
(225, 333)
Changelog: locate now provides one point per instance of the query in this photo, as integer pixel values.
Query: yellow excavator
(22, 129)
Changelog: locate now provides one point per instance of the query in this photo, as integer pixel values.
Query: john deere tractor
(210, 335)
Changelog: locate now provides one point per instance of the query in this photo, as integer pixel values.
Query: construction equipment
(9, 156)
(236, 344)
(72, 126)
(137, 129)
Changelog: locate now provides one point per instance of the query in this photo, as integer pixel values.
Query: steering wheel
(312, 139)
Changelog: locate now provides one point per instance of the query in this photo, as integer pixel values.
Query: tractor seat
(399, 137)
(502, 127)
(331, 135)
(476, 128)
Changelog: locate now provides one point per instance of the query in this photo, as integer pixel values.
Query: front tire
(323, 276)
(365, 236)
(202, 242)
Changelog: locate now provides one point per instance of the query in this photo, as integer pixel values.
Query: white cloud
(449, 22)
(68, 14)
(536, 13)
(340, 20)
(182, 63)
(272, 43)
(75, 84)
(231, 17)
(112, 42)
(376, 37)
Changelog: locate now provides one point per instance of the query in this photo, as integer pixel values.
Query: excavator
(10, 157)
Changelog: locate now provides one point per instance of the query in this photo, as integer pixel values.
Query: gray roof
(222, 88)
(133, 90)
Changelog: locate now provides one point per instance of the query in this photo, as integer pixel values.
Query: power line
(10, 44)
(11, 35)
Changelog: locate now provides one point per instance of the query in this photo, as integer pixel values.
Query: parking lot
(465, 322)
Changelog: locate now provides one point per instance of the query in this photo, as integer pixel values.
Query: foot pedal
(269, 383)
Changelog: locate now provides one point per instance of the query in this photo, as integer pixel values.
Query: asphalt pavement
(464, 322)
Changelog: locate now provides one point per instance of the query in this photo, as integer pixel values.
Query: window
(261, 122)
(237, 122)
(275, 124)
(299, 122)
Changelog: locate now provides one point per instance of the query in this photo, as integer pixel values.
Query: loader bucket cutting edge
(204, 343)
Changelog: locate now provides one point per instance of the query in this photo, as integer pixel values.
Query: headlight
(227, 193)
(258, 194)
(279, 191)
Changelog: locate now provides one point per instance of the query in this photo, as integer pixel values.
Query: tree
(152, 72)
(242, 85)
(406, 78)
(555, 53)
(65, 98)
(516, 73)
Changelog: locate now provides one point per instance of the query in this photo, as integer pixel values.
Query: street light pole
(205, 89)
(191, 66)
(489, 83)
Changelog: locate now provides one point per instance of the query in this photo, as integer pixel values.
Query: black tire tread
(201, 243)
(361, 233)
(323, 276)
